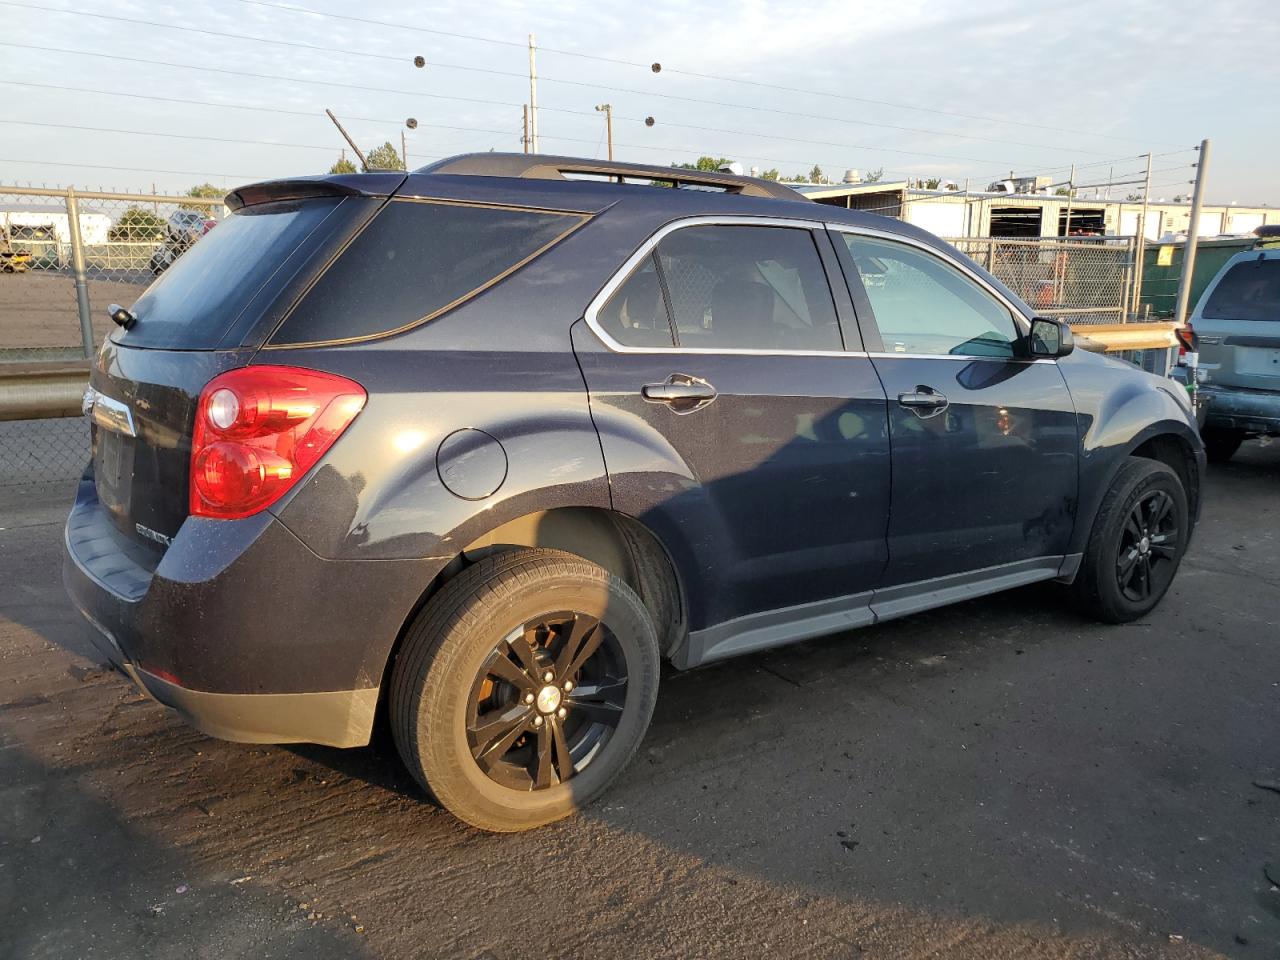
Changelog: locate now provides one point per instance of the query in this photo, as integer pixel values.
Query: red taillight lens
(1186, 340)
(259, 429)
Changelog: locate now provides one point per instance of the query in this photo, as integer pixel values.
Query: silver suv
(1237, 326)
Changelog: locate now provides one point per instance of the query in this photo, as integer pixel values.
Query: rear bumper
(238, 626)
(1239, 408)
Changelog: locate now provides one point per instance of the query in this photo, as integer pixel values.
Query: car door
(738, 428)
(983, 436)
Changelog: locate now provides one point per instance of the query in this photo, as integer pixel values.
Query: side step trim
(775, 628)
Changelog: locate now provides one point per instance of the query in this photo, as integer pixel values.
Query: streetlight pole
(607, 110)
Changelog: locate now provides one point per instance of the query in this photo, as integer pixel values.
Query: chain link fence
(1081, 281)
(60, 270)
(65, 255)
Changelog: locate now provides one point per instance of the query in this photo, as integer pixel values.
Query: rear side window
(415, 260)
(198, 298)
(1248, 291)
(747, 287)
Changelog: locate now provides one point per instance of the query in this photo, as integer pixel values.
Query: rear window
(414, 261)
(198, 298)
(1248, 291)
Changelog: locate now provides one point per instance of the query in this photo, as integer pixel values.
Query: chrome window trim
(624, 273)
(883, 355)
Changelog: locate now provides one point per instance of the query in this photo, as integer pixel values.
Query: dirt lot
(1000, 779)
(38, 308)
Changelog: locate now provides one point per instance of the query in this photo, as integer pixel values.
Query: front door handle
(923, 401)
(681, 392)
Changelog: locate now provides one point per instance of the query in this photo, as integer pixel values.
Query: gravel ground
(38, 308)
(999, 779)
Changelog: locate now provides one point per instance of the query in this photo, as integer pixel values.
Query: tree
(1063, 192)
(874, 176)
(206, 191)
(137, 223)
(705, 164)
(343, 165)
(928, 183)
(1133, 198)
(385, 157)
(816, 176)
(771, 174)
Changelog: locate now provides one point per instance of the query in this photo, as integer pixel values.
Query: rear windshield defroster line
(415, 260)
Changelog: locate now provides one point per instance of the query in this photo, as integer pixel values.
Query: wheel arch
(614, 541)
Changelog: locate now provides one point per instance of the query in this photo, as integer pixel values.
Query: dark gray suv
(476, 447)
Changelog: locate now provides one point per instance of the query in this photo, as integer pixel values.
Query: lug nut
(568, 685)
(561, 713)
(537, 721)
(548, 676)
(528, 698)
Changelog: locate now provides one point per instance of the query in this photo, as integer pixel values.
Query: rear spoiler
(301, 188)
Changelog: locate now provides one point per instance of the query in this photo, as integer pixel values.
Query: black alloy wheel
(523, 687)
(1149, 547)
(546, 701)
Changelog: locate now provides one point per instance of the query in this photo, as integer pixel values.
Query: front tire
(524, 687)
(1137, 542)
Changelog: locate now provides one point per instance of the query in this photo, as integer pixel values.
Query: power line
(203, 31)
(701, 76)
(256, 76)
(151, 170)
(334, 83)
(170, 136)
(549, 79)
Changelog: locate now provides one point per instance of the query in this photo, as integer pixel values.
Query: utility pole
(363, 162)
(1141, 245)
(524, 137)
(533, 97)
(607, 110)
(1193, 236)
(1071, 194)
(404, 151)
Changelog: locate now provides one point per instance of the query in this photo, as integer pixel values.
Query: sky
(968, 90)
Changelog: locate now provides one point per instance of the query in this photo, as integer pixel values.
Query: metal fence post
(77, 267)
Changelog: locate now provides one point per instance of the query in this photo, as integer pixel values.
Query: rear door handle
(681, 392)
(924, 401)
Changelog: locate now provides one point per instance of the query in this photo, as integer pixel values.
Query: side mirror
(1051, 338)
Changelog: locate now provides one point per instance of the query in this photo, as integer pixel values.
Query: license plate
(113, 469)
(1258, 361)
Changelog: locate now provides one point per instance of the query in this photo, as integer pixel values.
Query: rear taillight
(259, 429)
(1186, 339)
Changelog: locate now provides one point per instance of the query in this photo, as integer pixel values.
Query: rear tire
(473, 715)
(1137, 542)
(1220, 444)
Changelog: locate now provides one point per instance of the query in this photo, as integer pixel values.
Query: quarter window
(924, 305)
(416, 260)
(748, 287)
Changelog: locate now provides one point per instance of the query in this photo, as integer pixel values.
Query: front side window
(748, 287)
(924, 305)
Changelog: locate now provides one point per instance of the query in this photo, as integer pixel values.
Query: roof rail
(539, 166)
